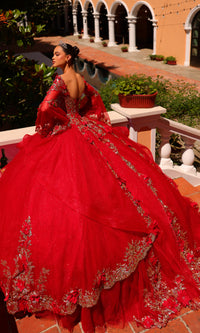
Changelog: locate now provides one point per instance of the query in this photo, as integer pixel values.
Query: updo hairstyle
(69, 49)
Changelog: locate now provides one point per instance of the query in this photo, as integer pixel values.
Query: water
(93, 74)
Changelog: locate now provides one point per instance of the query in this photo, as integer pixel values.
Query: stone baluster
(165, 149)
(188, 157)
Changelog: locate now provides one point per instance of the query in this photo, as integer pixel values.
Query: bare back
(74, 82)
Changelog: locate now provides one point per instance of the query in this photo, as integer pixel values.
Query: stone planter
(137, 101)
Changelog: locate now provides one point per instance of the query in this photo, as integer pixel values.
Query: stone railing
(142, 124)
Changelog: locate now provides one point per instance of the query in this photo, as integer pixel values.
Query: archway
(68, 21)
(90, 19)
(195, 41)
(121, 25)
(79, 19)
(144, 29)
(103, 22)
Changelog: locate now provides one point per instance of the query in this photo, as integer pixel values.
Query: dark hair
(69, 49)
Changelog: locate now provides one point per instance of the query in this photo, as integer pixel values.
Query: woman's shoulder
(58, 84)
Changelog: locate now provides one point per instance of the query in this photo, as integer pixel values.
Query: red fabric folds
(91, 229)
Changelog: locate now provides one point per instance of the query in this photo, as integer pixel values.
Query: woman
(91, 229)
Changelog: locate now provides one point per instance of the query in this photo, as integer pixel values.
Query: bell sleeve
(52, 116)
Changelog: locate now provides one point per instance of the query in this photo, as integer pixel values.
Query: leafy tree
(23, 82)
(14, 28)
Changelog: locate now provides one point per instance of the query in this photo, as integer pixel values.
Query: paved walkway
(119, 63)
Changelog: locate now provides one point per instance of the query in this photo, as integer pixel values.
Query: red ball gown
(91, 229)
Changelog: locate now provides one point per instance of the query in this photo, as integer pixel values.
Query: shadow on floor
(7, 321)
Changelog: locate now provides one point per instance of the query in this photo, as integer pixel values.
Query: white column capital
(154, 23)
(96, 15)
(131, 19)
(110, 17)
(188, 29)
(84, 13)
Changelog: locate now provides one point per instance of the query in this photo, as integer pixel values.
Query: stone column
(75, 26)
(154, 24)
(85, 24)
(132, 33)
(111, 30)
(96, 27)
(188, 46)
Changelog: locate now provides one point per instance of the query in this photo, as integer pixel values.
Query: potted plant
(124, 49)
(79, 36)
(91, 40)
(159, 57)
(170, 60)
(152, 56)
(104, 43)
(136, 91)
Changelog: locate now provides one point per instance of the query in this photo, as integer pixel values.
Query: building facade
(170, 28)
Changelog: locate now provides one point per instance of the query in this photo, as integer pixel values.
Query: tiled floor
(188, 321)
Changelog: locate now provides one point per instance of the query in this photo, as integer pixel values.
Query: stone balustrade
(143, 124)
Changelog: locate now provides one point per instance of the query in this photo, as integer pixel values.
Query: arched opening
(195, 41)
(103, 22)
(68, 21)
(144, 29)
(121, 25)
(79, 19)
(90, 19)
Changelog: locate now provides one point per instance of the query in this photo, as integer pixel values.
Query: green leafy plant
(44, 11)
(160, 57)
(104, 43)
(179, 98)
(152, 56)
(170, 58)
(124, 49)
(135, 85)
(14, 28)
(23, 84)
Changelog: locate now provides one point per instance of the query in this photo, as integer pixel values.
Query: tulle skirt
(93, 231)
